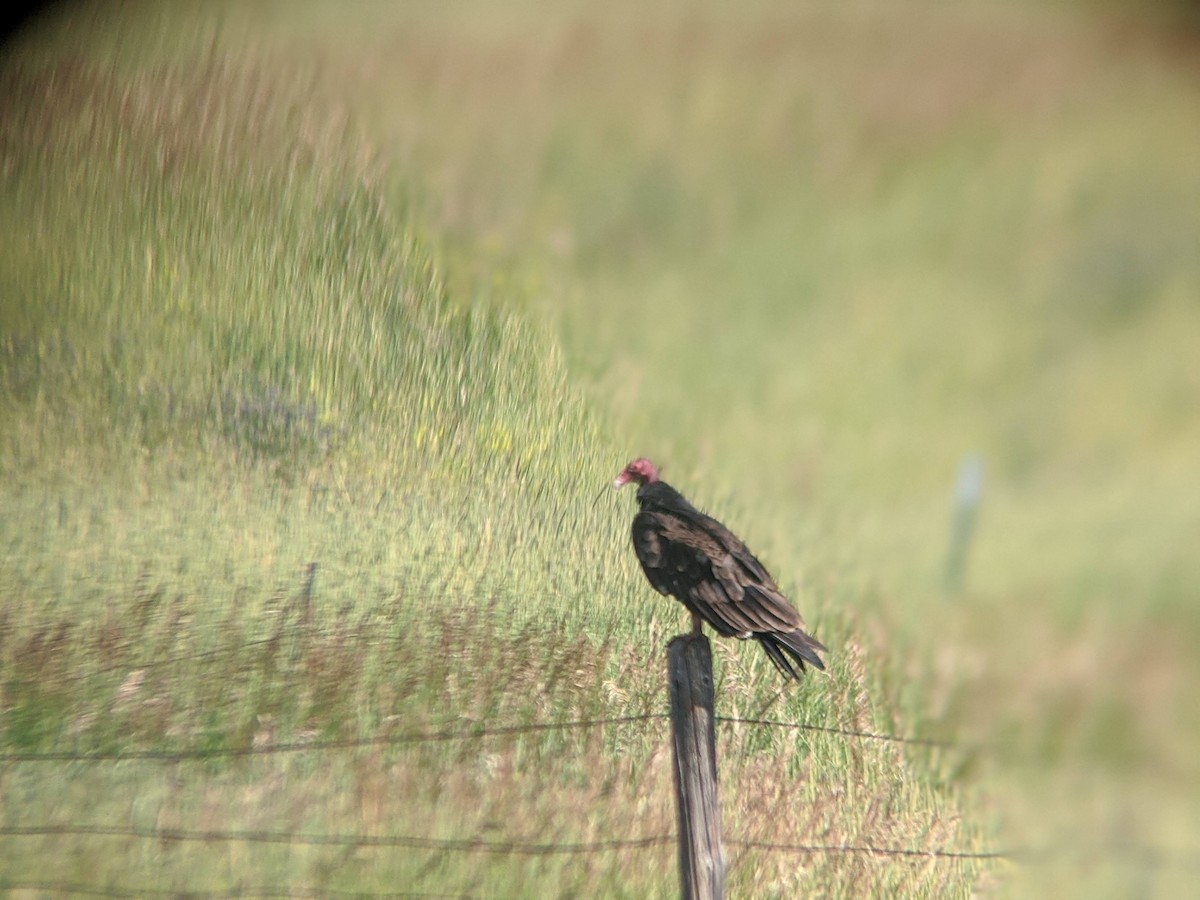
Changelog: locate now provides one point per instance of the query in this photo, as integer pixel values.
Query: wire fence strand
(1147, 856)
(846, 732)
(412, 842)
(1127, 854)
(258, 892)
(871, 850)
(439, 735)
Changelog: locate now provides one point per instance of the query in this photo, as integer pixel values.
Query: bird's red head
(640, 470)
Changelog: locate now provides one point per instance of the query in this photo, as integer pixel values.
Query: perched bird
(701, 563)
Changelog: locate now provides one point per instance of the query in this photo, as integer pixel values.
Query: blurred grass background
(398, 290)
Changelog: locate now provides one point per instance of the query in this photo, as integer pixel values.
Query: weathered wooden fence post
(701, 857)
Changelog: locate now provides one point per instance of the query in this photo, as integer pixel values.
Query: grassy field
(398, 291)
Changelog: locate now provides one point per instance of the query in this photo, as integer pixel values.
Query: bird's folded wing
(683, 558)
(733, 545)
(648, 544)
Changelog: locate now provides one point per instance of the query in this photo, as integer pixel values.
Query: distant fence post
(701, 857)
(967, 494)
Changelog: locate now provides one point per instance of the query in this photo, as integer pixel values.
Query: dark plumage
(701, 563)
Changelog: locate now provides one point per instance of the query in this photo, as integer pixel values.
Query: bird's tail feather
(800, 647)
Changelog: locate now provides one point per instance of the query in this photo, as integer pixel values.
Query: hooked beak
(620, 482)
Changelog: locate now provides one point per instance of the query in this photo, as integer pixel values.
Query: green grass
(397, 292)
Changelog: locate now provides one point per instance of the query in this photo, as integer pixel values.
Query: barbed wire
(79, 889)
(412, 842)
(257, 892)
(1146, 856)
(1149, 857)
(1129, 854)
(415, 737)
(440, 734)
(847, 732)
(870, 850)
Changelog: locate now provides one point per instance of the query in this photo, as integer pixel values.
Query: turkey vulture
(701, 563)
